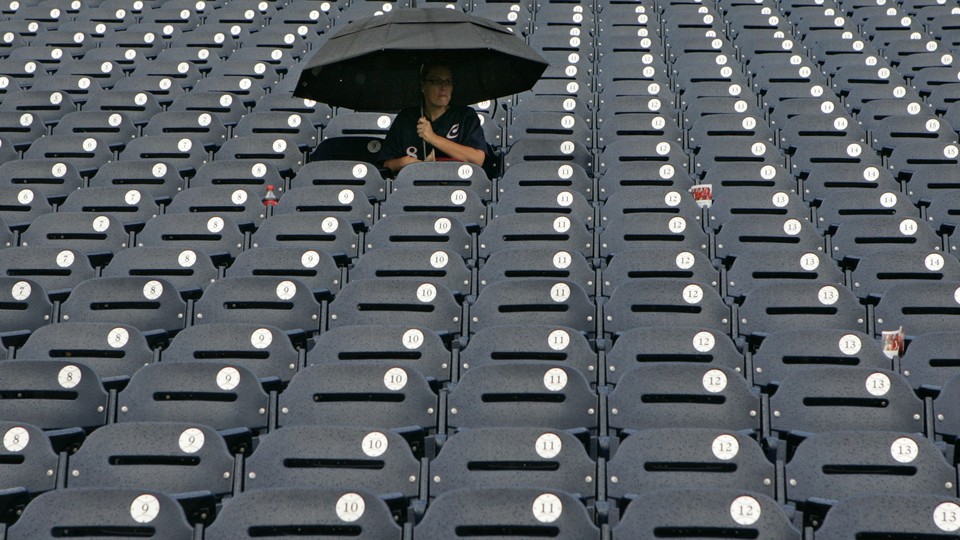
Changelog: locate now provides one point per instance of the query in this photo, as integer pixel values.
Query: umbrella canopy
(374, 63)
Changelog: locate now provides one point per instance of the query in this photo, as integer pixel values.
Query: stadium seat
(393, 301)
(334, 457)
(513, 457)
(217, 394)
(673, 302)
(441, 266)
(171, 457)
(326, 512)
(831, 466)
(102, 511)
(551, 397)
(506, 511)
(315, 269)
(353, 394)
(418, 348)
(29, 460)
(670, 344)
(530, 343)
(716, 512)
(688, 458)
(890, 514)
(51, 395)
(113, 351)
(683, 395)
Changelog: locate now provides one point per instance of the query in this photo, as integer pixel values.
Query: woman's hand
(425, 129)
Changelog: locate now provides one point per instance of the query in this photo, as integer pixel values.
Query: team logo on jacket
(454, 131)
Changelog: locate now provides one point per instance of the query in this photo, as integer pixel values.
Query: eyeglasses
(439, 82)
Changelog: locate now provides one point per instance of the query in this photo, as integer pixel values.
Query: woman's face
(437, 86)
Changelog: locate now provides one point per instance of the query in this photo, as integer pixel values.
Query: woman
(437, 130)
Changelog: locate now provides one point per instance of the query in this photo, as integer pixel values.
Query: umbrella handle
(422, 141)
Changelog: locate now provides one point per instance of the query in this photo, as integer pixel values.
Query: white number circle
(555, 379)
(547, 508)
(215, 224)
(118, 337)
(374, 444)
(877, 384)
(132, 197)
(908, 227)
(828, 295)
(667, 172)
(548, 445)
(439, 259)
(261, 338)
(714, 381)
(21, 290)
(345, 196)
(101, 223)
(677, 225)
(395, 379)
(692, 294)
(228, 378)
(946, 516)
(442, 226)
(191, 440)
(780, 199)
(768, 172)
(69, 376)
(412, 339)
(25, 196)
(561, 224)
(426, 293)
(286, 290)
(562, 260)
(65, 259)
(310, 259)
(558, 340)
(330, 225)
(809, 262)
(145, 508)
(850, 344)
(186, 258)
(359, 170)
(16, 439)
(560, 292)
(904, 450)
(672, 199)
(685, 260)
(152, 289)
(888, 200)
(792, 227)
(745, 510)
(564, 172)
(725, 447)
(704, 341)
(350, 507)
(933, 262)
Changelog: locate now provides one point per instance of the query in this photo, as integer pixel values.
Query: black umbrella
(374, 63)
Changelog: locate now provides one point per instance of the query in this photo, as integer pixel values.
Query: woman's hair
(427, 66)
